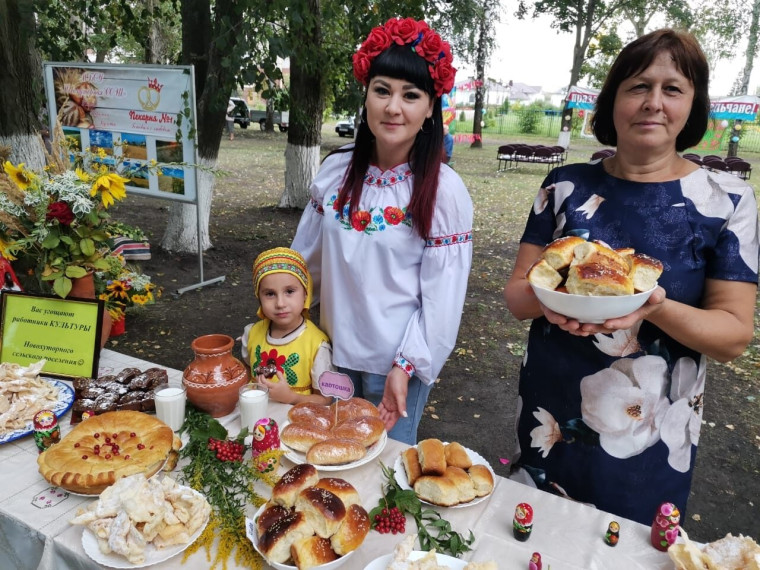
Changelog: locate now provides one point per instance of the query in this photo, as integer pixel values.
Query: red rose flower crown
(421, 38)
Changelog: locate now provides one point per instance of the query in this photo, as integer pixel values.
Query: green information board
(64, 332)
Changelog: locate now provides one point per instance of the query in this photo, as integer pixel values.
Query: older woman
(610, 413)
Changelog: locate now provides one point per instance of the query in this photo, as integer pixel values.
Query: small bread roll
(335, 451)
(595, 279)
(301, 436)
(311, 552)
(490, 565)
(411, 461)
(645, 271)
(271, 515)
(293, 482)
(323, 509)
(365, 429)
(316, 415)
(456, 455)
(464, 485)
(559, 253)
(541, 274)
(482, 479)
(594, 252)
(276, 541)
(344, 490)
(353, 408)
(432, 457)
(437, 490)
(352, 531)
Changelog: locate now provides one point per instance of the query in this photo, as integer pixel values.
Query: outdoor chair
(504, 155)
(695, 158)
(740, 168)
(714, 163)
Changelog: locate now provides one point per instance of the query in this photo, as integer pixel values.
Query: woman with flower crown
(388, 233)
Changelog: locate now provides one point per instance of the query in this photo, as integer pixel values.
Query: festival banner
(581, 98)
(743, 107)
(141, 116)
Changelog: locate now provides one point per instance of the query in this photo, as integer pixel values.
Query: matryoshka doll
(522, 524)
(665, 526)
(266, 437)
(613, 534)
(46, 429)
(535, 562)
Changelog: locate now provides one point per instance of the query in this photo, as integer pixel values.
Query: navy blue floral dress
(614, 420)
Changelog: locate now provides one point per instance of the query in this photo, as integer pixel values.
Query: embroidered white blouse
(387, 296)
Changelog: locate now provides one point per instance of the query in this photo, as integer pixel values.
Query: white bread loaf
(276, 541)
(436, 490)
(559, 253)
(323, 509)
(352, 531)
(311, 552)
(482, 479)
(292, 483)
(432, 456)
(462, 482)
(335, 451)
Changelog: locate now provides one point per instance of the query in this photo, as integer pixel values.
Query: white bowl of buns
(310, 522)
(591, 282)
(333, 436)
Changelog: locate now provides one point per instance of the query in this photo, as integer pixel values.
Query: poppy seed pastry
(276, 541)
(105, 448)
(324, 510)
(352, 531)
(292, 483)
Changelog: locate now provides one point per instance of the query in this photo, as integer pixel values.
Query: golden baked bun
(432, 456)
(645, 271)
(352, 531)
(353, 408)
(271, 515)
(462, 482)
(292, 483)
(541, 274)
(411, 461)
(595, 279)
(344, 490)
(365, 429)
(107, 447)
(311, 552)
(324, 510)
(301, 436)
(336, 451)
(276, 541)
(559, 253)
(594, 252)
(456, 455)
(316, 415)
(482, 480)
(437, 490)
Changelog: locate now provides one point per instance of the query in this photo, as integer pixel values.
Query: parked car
(280, 119)
(240, 113)
(345, 128)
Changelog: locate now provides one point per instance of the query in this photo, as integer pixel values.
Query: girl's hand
(278, 391)
(393, 405)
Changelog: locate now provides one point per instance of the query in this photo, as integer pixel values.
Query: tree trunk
(155, 48)
(269, 122)
(583, 34)
(21, 84)
(480, 72)
(307, 103)
(213, 84)
(751, 52)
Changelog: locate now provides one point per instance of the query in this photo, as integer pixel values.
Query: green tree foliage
(602, 51)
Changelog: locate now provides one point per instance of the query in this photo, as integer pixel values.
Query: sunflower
(117, 289)
(4, 249)
(111, 188)
(83, 176)
(20, 175)
(140, 299)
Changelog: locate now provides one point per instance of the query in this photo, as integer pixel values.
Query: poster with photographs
(139, 120)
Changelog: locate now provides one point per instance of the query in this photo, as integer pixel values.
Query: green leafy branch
(433, 531)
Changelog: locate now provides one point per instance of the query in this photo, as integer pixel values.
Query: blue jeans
(370, 387)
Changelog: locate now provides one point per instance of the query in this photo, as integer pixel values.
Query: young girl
(388, 233)
(286, 351)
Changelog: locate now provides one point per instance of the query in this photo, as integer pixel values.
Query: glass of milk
(170, 404)
(253, 401)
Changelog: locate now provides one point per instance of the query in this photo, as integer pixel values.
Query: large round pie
(107, 447)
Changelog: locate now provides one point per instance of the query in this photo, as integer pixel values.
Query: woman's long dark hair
(401, 62)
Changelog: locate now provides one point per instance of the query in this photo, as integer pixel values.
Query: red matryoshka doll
(535, 562)
(522, 524)
(665, 526)
(266, 437)
(46, 429)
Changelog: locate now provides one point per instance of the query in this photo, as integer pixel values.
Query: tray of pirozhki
(445, 474)
(592, 282)
(309, 522)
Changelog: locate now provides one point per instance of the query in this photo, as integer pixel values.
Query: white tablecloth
(35, 532)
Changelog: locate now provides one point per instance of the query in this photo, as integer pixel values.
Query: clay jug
(213, 379)
(84, 288)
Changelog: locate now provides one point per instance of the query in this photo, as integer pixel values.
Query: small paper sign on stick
(336, 384)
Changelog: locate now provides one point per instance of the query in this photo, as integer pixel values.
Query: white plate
(372, 451)
(442, 559)
(250, 531)
(153, 555)
(65, 400)
(474, 456)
